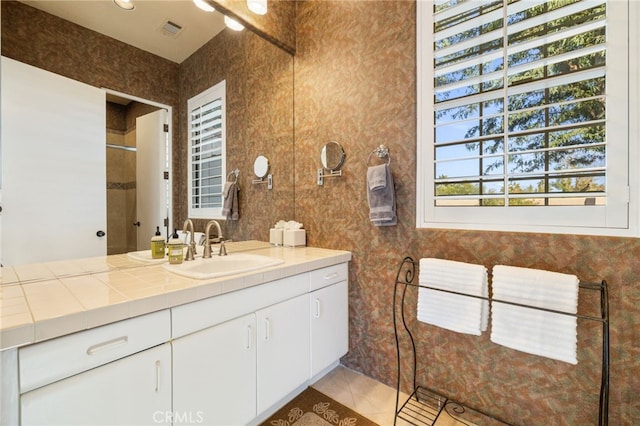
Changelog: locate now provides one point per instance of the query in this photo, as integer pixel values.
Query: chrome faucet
(208, 240)
(191, 248)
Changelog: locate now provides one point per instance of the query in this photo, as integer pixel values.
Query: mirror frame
(261, 163)
(324, 160)
(277, 26)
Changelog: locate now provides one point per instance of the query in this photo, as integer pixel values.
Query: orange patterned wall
(259, 94)
(45, 41)
(355, 83)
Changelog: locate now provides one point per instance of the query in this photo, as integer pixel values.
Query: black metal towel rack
(424, 405)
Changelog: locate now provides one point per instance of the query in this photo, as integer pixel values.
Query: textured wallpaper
(259, 84)
(355, 83)
(45, 41)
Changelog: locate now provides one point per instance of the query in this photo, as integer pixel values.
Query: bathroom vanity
(224, 351)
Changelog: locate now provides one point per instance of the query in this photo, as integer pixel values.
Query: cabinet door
(133, 390)
(283, 349)
(329, 325)
(214, 374)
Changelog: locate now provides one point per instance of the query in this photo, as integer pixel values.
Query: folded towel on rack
(377, 177)
(230, 201)
(455, 312)
(527, 329)
(382, 201)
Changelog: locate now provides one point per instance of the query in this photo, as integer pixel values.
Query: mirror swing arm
(268, 181)
(331, 173)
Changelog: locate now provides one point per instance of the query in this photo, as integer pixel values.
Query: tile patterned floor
(368, 397)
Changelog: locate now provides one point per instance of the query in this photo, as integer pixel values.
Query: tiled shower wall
(121, 183)
(355, 83)
(122, 235)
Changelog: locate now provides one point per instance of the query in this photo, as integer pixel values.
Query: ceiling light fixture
(259, 7)
(233, 24)
(125, 4)
(202, 4)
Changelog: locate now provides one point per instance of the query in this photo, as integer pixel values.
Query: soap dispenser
(175, 248)
(157, 245)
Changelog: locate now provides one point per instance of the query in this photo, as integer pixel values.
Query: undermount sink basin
(219, 266)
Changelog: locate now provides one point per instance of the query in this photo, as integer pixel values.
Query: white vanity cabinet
(283, 350)
(329, 323)
(119, 374)
(135, 390)
(237, 354)
(226, 360)
(214, 374)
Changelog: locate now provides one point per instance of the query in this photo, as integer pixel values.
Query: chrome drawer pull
(316, 303)
(109, 344)
(157, 375)
(249, 337)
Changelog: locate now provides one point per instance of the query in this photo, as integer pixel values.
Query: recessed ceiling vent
(171, 29)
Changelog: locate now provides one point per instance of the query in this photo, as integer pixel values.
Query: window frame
(209, 95)
(546, 219)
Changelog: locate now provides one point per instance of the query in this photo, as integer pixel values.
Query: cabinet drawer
(218, 309)
(329, 275)
(46, 362)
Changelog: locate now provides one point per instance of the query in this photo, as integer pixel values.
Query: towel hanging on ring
(230, 208)
(381, 194)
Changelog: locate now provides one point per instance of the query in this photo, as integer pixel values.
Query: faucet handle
(206, 254)
(191, 251)
(223, 248)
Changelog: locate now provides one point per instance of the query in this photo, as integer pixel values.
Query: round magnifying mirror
(261, 166)
(332, 156)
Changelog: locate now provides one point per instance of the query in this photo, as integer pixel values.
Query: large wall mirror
(259, 77)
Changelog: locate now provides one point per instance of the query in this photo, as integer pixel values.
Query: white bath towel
(454, 312)
(529, 330)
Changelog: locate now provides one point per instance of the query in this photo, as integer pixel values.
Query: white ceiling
(141, 27)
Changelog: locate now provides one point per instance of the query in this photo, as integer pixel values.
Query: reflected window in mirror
(207, 147)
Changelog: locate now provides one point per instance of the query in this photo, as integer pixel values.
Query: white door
(283, 349)
(135, 390)
(53, 166)
(151, 186)
(214, 374)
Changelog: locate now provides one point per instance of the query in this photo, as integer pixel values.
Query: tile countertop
(47, 300)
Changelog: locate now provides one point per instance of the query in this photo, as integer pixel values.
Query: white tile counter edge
(131, 301)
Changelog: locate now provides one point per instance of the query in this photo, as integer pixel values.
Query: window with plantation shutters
(523, 115)
(206, 135)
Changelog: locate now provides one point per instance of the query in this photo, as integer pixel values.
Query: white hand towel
(454, 312)
(537, 332)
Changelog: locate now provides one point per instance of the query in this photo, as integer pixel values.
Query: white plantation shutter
(523, 114)
(207, 152)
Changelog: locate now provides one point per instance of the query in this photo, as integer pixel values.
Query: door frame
(169, 147)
